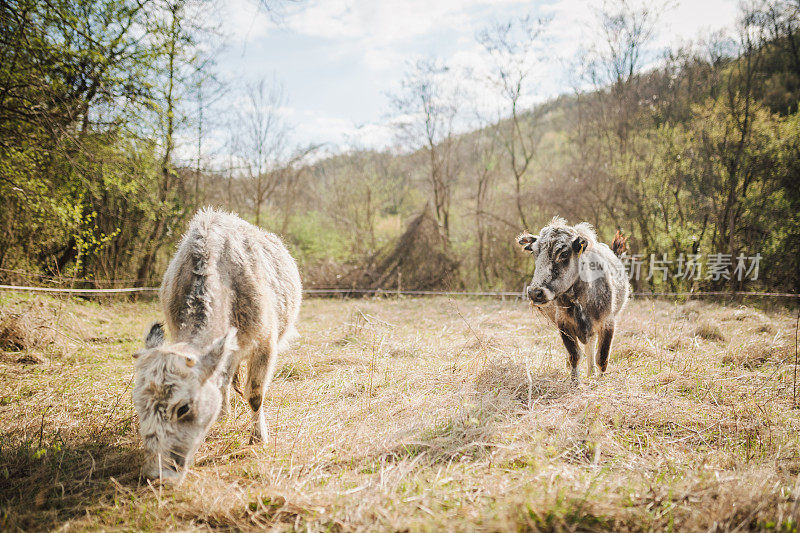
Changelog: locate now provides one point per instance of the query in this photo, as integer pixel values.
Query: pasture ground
(419, 415)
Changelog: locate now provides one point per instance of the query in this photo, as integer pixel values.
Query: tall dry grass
(425, 414)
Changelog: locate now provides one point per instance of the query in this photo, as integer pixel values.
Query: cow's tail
(620, 244)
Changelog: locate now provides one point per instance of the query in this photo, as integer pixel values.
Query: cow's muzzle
(167, 469)
(538, 295)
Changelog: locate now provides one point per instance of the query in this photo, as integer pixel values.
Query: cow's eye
(563, 256)
(183, 409)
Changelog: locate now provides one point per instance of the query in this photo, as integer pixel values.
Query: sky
(338, 61)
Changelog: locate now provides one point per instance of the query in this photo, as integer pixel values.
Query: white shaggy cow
(231, 291)
(580, 285)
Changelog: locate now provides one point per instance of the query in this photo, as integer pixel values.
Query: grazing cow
(231, 292)
(580, 285)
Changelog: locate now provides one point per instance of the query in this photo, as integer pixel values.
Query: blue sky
(337, 60)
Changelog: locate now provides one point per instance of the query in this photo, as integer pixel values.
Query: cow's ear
(578, 245)
(220, 359)
(526, 240)
(154, 337)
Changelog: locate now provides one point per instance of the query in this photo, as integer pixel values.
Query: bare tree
(427, 108)
(735, 145)
(292, 178)
(625, 30)
(512, 48)
(356, 190)
(623, 35)
(207, 90)
(781, 18)
(261, 143)
(178, 28)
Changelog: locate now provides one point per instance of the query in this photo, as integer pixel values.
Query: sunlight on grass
(418, 414)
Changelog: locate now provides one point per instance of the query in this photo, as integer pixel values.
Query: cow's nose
(151, 470)
(536, 294)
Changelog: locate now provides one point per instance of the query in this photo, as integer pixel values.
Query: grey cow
(231, 292)
(580, 285)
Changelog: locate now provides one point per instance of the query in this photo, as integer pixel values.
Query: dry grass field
(417, 414)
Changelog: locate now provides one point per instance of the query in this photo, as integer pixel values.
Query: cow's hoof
(257, 438)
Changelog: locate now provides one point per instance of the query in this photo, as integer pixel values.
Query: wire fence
(77, 290)
(56, 280)
(344, 292)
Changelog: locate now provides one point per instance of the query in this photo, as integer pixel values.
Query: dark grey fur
(580, 285)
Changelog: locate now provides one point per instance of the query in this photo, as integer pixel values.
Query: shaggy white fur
(232, 292)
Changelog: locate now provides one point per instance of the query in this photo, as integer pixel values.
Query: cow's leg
(590, 351)
(604, 346)
(582, 321)
(573, 353)
(225, 408)
(260, 370)
(226, 393)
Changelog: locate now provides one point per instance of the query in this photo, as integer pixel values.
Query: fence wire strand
(390, 292)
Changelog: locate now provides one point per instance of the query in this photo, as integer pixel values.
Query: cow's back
(226, 273)
(615, 277)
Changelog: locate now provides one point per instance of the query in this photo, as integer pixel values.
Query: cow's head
(557, 251)
(177, 396)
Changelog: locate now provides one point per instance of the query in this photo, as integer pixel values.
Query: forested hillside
(694, 154)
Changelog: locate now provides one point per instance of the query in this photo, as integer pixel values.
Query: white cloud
(381, 30)
(244, 21)
(335, 133)
(384, 22)
(689, 20)
(372, 41)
